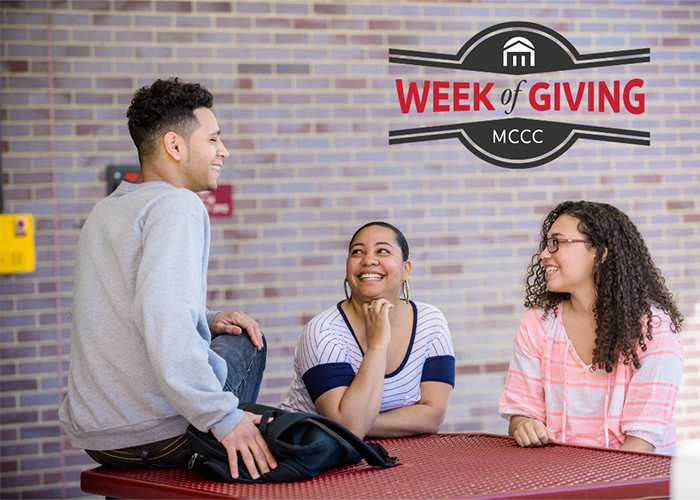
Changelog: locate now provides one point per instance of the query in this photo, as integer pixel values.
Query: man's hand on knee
(246, 439)
(233, 323)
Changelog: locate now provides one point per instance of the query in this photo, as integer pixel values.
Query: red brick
(294, 99)
(19, 481)
(232, 22)
(294, 128)
(310, 24)
(213, 6)
(498, 310)
(68, 476)
(366, 39)
(92, 67)
(291, 38)
(8, 435)
(254, 68)
(71, 51)
(317, 261)
(384, 25)
(188, 53)
(154, 52)
(111, 20)
(676, 42)
(675, 14)
(496, 367)
(421, 26)
(466, 369)
(173, 37)
(372, 186)
(647, 179)
(444, 240)
(189, 21)
(14, 66)
(289, 291)
(253, 8)
(132, 36)
(240, 234)
(259, 218)
(18, 450)
(29, 82)
(92, 36)
(336, 216)
(17, 320)
(8, 402)
(680, 205)
(298, 276)
(278, 23)
(335, 10)
(242, 294)
(291, 8)
(332, 128)
(343, 24)
(13, 34)
(114, 83)
(132, 5)
(446, 269)
(355, 83)
(13, 417)
(260, 278)
(8, 466)
(444, 184)
(27, 18)
(173, 6)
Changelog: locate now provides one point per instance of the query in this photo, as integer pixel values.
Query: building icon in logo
(518, 47)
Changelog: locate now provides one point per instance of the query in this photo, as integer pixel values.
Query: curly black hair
(167, 105)
(627, 282)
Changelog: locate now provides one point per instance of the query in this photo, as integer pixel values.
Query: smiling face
(375, 267)
(204, 155)
(570, 268)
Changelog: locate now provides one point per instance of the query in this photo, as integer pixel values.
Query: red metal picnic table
(438, 466)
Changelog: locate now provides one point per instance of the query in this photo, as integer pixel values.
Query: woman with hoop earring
(378, 363)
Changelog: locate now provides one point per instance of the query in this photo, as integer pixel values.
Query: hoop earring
(345, 289)
(406, 291)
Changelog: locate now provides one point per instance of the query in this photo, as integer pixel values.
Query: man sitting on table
(147, 357)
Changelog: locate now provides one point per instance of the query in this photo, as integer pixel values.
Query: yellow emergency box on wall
(17, 243)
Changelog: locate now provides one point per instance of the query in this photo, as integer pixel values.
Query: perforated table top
(441, 466)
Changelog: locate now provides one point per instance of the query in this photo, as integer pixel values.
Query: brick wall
(305, 97)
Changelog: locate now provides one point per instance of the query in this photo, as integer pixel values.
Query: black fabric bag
(302, 444)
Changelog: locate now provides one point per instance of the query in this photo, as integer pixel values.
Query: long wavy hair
(627, 283)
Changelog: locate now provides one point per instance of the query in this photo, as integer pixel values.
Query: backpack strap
(373, 453)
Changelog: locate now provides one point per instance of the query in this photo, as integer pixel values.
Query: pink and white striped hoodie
(547, 380)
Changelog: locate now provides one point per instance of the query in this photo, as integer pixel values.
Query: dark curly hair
(167, 105)
(627, 282)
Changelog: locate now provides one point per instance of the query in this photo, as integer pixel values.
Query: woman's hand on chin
(377, 326)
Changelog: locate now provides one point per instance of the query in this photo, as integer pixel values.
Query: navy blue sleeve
(322, 378)
(439, 369)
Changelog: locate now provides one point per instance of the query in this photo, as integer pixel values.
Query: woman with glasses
(597, 358)
(379, 363)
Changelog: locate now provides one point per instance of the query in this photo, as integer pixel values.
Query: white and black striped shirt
(328, 355)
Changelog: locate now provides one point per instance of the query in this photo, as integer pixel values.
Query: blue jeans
(245, 372)
(245, 365)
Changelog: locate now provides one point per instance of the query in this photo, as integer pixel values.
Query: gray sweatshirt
(141, 367)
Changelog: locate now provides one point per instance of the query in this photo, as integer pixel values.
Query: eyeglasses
(552, 244)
